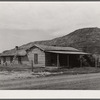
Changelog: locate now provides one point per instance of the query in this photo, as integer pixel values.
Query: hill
(85, 39)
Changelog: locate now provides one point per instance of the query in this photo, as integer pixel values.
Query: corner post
(58, 64)
(68, 61)
(80, 60)
(32, 64)
(96, 62)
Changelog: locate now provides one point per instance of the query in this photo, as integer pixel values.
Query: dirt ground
(60, 82)
(5, 75)
(25, 72)
(22, 77)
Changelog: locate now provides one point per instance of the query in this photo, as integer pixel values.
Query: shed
(9, 55)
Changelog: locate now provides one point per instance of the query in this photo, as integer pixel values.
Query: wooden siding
(8, 60)
(41, 57)
(25, 60)
(1, 60)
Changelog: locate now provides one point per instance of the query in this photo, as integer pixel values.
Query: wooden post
(58, 60)
(32, 64)
(96, 59)
(80, 60)
(68, 61)
(5, 63)
(96, 62)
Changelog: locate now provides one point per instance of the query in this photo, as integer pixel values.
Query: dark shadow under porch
(62, 60)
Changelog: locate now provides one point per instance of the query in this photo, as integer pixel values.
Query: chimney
(16, 47)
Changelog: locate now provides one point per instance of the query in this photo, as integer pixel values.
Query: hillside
(85, 39)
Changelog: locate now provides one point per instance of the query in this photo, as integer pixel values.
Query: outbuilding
(14, 56)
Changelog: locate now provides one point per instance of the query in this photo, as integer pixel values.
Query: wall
(41, 57)
(24, 60)
(1, 60)
(8, 60)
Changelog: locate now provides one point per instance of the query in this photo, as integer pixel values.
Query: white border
(50, 94)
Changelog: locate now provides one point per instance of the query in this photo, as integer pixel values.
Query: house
(42, 55)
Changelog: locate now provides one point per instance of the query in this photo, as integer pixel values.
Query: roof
(13, 52)
(60, 50)
(66, 52)
(55, 48)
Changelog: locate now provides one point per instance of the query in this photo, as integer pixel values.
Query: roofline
(35, 46)
(79, 53)
(39, 47)
(11, 55)
(52, 46)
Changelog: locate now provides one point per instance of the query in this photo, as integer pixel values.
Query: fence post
(32, 64)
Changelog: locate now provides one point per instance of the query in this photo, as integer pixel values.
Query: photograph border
(44, 94)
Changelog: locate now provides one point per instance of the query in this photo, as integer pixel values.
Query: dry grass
(19, 73)
(71, 71)
(15, 68)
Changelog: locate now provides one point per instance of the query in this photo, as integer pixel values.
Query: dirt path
(63, 82)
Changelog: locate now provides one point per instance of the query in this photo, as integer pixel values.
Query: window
(35, 58)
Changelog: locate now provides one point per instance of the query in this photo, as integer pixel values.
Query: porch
(63, 59)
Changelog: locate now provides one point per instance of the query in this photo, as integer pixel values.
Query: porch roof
(67, 52)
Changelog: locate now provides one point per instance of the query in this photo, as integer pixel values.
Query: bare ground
(86, 78)
(60, 82)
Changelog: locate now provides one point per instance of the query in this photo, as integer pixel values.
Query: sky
(24, 22)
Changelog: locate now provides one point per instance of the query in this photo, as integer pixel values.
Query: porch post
(58, 60)
(32, 64)
(95, 62)
(68, 61)
(80, 60)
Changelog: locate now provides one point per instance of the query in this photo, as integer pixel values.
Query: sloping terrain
(85, 39)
